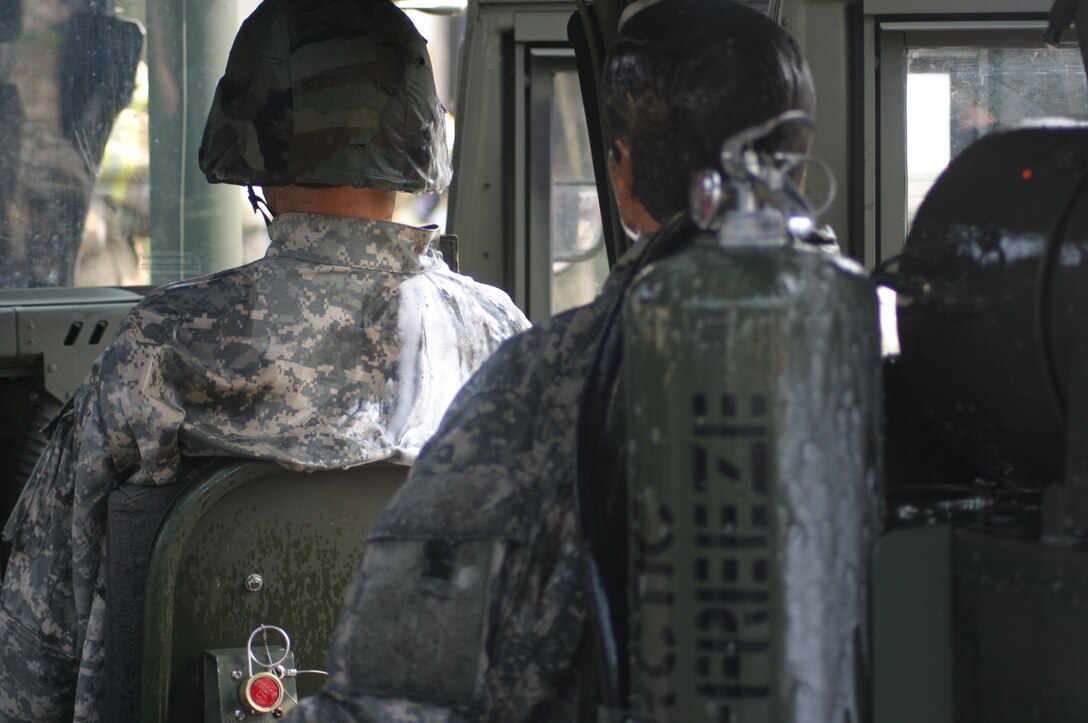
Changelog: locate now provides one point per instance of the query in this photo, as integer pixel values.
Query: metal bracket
(1065, 506)
(224, 671)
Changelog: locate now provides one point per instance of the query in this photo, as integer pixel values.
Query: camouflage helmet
(327, 93)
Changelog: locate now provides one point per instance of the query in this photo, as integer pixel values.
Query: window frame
(886, 39)
(489, 198)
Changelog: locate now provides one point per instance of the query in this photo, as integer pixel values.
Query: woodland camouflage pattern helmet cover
(327, 93)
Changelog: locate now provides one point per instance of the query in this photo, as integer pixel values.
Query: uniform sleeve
(410, 645)
(441, 631)
(53, 580)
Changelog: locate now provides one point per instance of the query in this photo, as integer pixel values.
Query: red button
(261, 693)
(265, 692)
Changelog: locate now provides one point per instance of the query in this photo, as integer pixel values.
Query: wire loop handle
(269, 664)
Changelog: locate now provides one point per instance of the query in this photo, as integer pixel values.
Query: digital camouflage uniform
(469, 606)
(343, 345)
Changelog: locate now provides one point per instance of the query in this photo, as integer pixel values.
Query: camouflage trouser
(36, 683)
(39, 658)
(52, 604)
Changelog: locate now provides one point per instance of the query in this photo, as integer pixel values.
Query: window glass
(957, 95)
(65, 73)
(75, 172)
(579, 260)
(444, 34)
(102, 109)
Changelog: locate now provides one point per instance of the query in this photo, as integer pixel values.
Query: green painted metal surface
(53, 335)
(1021, 629)
(752, 392)
(303, 533)
(977, 628)
(912, 626)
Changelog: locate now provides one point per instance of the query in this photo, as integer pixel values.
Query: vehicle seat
(302, 533)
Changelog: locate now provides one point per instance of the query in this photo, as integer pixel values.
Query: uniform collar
(356, 242)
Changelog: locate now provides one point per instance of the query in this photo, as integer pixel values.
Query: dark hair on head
(685, 75)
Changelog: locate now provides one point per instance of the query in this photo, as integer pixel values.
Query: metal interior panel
(302, 533)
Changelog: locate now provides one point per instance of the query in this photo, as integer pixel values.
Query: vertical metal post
(1080, 20)
(195, 226)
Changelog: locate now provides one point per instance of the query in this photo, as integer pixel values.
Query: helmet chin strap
(256, 201)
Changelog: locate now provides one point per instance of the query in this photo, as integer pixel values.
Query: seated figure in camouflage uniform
(470, 604)
(343, 345)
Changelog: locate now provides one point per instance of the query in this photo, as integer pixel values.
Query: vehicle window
(943, 84)
(80, 85)
(101, 116)
(578, 260)
(565, 257)
(957, 95)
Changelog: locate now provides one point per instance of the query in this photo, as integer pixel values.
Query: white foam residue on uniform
(430, 370)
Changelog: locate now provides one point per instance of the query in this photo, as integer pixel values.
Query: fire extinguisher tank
(752, 381)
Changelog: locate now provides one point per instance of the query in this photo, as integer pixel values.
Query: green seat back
(303, 533)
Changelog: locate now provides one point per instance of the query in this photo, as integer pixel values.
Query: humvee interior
(978, 588)
(993, 297)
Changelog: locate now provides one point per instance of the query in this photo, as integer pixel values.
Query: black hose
(1042, 295)
(597, 480)
(607, 599)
